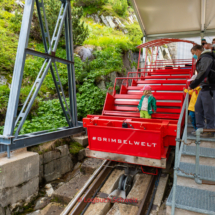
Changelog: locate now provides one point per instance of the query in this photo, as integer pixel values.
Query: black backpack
(211, 75)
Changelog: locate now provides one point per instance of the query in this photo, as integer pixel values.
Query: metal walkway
(196, 200)
(195, 170)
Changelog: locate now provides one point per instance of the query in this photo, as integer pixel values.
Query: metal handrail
(177, 152)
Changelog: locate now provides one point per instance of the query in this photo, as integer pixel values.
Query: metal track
(75, 207)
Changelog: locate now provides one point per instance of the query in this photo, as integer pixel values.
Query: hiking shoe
(193, 132)
(189, 119)
(207, 134)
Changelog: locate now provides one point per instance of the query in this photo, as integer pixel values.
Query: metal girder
(210, 32)
(36, 138)
(47, 56)
(11, 137)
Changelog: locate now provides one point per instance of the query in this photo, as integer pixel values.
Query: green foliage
(4, 96)
(135, 33)
(8, 42)
(16, 21)
(80, 32)
(52, 8)
(75, 147)
(85, 3)
(120, 6)
(49, 116)
(90, 99)
(122, 43)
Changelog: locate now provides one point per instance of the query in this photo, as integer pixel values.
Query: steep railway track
(91, 192)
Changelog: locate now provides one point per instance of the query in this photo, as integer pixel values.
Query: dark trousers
(204, 108)
(193, 119)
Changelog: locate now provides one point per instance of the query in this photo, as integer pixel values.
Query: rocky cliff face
(112, 21)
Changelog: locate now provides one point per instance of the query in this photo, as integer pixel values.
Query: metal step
(193, 137)
(196, 200)
(204, 152)
(206, 172)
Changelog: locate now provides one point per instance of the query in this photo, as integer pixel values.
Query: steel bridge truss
(11, 140)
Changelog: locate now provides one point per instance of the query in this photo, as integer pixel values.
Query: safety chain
(180, 140)
(187, 144)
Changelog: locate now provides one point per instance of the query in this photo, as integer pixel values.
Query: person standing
(194, 95)
(206, 79)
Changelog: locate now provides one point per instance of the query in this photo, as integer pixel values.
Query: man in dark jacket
(204, 107)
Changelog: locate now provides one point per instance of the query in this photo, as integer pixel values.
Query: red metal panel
(123, 90)
(167, 77)
(162, 82)
(133, 114)
(162, 110)
(157, 87)
(109, 102)
(174, 122)
(158, 96)
(126, 141)
(170, 104)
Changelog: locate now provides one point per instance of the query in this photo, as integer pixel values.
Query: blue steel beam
(36, 138)
(18, 69)
(70, 68)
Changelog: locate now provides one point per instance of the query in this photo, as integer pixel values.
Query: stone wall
(55, 163)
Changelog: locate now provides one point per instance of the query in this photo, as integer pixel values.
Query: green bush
(4, 96)
(52, 8)
(90, 99)
(49, 116)
(120, 6)
(8, 42)
(135, 33)
(85, 3)
(122, 43)
(80, 32)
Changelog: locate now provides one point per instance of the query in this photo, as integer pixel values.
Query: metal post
(186, 119)
(138, 64)
(151, 59)
(71, 69)
(8, 151)
(156, 58)
(146, 61)
(18, 69)
(196, 175)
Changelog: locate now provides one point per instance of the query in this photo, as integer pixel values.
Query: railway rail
(91, 190)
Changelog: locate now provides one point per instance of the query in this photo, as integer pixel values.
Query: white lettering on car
(135, 143)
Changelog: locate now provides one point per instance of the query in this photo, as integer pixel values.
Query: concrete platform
(19, 177)
(127, 158)
(21, 167)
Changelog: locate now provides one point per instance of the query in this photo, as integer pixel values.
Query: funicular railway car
(120, 134)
